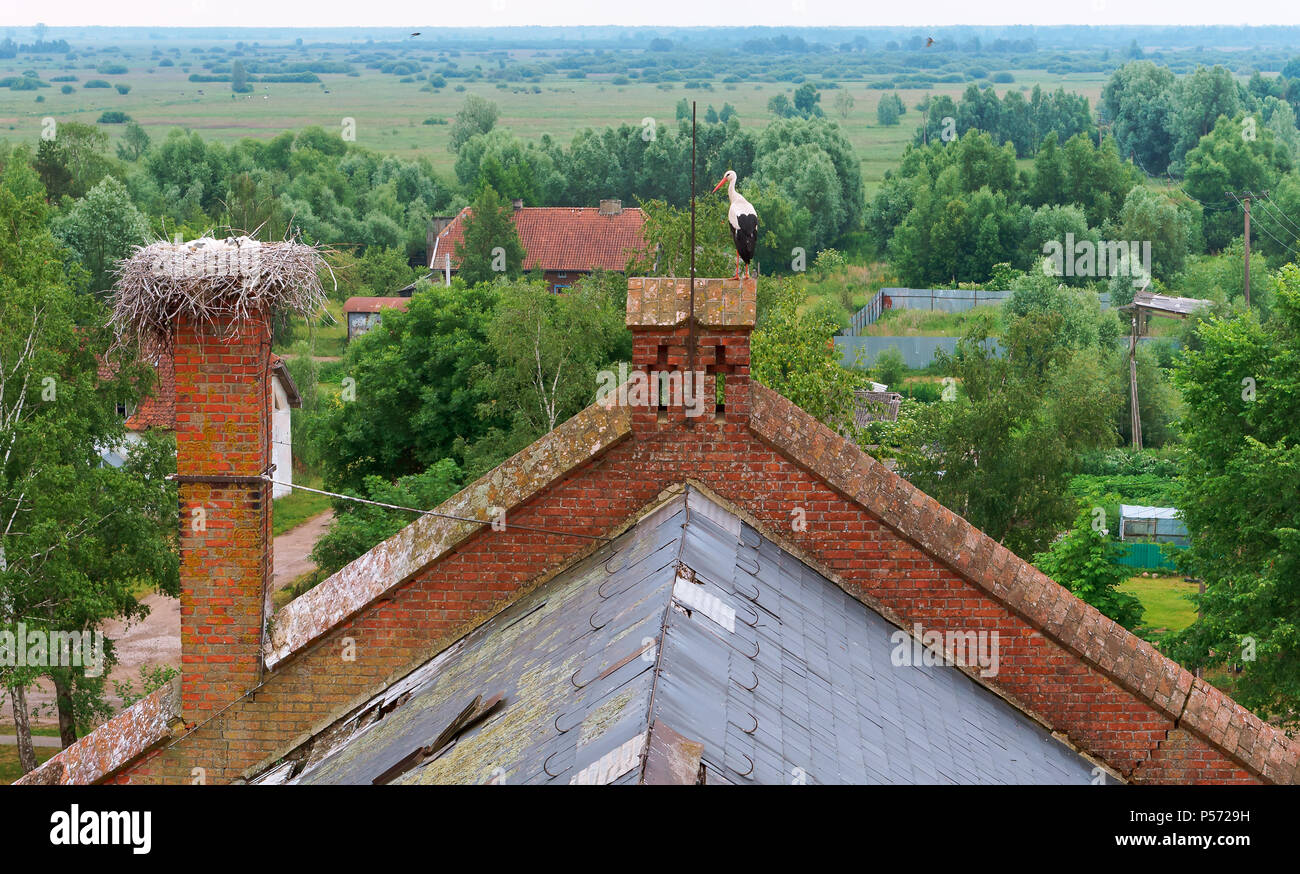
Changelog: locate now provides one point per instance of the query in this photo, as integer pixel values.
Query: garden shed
(1154, 524)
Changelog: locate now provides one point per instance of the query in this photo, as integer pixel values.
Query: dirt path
(149, 642)
(156, 639)
(293, 550)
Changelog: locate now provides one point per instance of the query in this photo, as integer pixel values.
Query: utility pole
(1244, 199)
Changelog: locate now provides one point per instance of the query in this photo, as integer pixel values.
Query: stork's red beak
(719, 185)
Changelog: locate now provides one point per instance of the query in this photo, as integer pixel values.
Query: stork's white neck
(731, 188)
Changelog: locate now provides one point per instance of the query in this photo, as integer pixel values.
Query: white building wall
(281, 440)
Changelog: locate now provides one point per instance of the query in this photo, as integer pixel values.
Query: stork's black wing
(746, 236)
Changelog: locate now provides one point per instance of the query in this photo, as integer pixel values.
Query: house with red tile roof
(563, 243)
(661, 590)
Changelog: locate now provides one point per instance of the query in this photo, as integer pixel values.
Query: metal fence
(1146, 556)
(948, 300)
(918, 352)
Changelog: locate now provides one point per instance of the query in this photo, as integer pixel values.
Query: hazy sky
(401, 13)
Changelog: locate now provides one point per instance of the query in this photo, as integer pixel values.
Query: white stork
(743, 221)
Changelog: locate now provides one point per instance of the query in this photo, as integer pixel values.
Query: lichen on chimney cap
(207, 279)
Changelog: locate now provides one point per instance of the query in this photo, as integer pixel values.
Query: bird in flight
(929, 41)
(743, 220)
(417, 33)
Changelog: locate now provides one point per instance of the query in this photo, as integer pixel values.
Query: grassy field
(9, 769)
(1165, 602)
(321, 337)
(389, 114)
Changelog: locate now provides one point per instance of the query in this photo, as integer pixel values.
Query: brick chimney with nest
(223, 450)
(211, 300)
(662, 340)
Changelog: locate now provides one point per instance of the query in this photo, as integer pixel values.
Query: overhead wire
(434, 512)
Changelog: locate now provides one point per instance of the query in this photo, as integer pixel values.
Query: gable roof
(560, 238)
(772, 669)
(880, 540)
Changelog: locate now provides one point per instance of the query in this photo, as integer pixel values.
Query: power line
(1261, 200)
(435, 513)
(1269, 233)
(1280, 217)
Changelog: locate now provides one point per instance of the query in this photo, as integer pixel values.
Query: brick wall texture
(223, 429)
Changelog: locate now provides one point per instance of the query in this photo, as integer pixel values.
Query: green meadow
(389, 114)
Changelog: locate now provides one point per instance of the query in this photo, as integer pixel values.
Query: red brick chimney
(725, 311)
(223, 442)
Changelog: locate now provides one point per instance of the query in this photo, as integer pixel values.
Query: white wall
(281, 440)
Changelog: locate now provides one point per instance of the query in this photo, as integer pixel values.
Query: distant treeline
(11, 49)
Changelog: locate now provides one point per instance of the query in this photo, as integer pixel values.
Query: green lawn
(1165, 602)
(9, 770)
(323, 337)
(297, 507)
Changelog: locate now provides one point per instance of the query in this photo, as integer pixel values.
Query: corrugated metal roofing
(777, 672)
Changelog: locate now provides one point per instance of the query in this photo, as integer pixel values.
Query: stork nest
(209, 280)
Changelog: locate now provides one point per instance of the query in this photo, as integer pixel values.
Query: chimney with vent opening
(725, 311)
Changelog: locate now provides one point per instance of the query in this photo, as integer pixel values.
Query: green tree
(889, 109)
(239, 78)
(490, 247)
(1159, 405)
(383, 272)
(477, 115)
(1085, 561)
(843, 103)
(74, 161)
(813, 165)
(667, 233)
(780, 106)
(100, 229)
(806, 101)
(1140, 102)
(134, 144)
(1001, 448)
(1239, 494)
(1200, 100)
(417, 387)
(890, 368)
(1170, 227)
(793, 353)
(548, 348)
(357, 528)
(1225, 160)
(76, 535)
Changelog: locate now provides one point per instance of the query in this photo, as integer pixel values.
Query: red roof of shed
(375, 304)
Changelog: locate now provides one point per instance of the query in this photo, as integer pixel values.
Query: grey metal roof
(1167, 305)
(693, 620)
